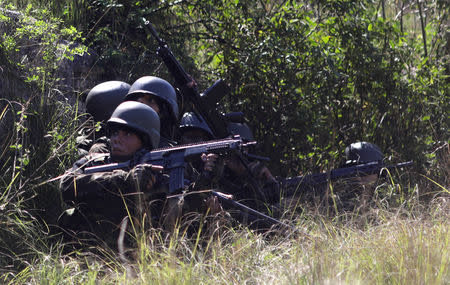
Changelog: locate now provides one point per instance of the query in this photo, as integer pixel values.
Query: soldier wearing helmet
(360, 153)
(348, 194)
(161, 96)
(193, 128)
(133, 126)
(100, 103)
(100, 201)
(104, 98)
(355, 193)
(230, 174)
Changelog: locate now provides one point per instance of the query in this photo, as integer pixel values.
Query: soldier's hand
(191, 83)
(261, 171)
(209, 161)
(213, 205)
(144, 175)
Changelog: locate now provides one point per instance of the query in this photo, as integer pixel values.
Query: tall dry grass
(401, 245)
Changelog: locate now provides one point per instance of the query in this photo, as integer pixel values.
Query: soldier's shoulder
(100, 146)
(92, 159)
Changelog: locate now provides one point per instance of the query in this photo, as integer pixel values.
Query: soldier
(161, 96)
(345, 194)
(100, 103)
(254, 186)
(100, 201)
(361, 153)
(194, 129)
(243, 178)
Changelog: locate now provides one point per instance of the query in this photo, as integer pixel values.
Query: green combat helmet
(241, 129)
(362, 152)
(157, 87)
(103, 99)
(138, 117)
(190, 120)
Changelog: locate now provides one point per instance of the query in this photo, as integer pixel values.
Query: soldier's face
(150, 101)
(124, 143)
(193, 136)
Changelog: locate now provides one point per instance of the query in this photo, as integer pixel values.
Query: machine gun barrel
(184, 81)
(293, 184)
(251, 214)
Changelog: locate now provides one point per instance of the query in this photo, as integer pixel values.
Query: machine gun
(173, 159)
(204, 103)
(293, 185)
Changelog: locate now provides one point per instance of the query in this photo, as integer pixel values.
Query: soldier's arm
(270, 185)
(77, 186)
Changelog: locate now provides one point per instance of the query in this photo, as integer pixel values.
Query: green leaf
(325, 39)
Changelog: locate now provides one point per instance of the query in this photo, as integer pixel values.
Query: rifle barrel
(292, 184)
(231, 204)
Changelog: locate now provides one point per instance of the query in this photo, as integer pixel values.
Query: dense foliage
(310, 76)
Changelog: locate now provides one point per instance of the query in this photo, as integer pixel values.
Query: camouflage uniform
(245, 186)
(249, 189)
(101, 200)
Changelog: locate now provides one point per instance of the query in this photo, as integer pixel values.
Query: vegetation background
(310, 76)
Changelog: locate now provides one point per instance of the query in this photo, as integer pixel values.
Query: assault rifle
(173, 159)
(293, 185)
(204, 103)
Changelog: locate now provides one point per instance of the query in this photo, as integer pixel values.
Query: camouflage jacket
(241, 187)
(101, 200)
